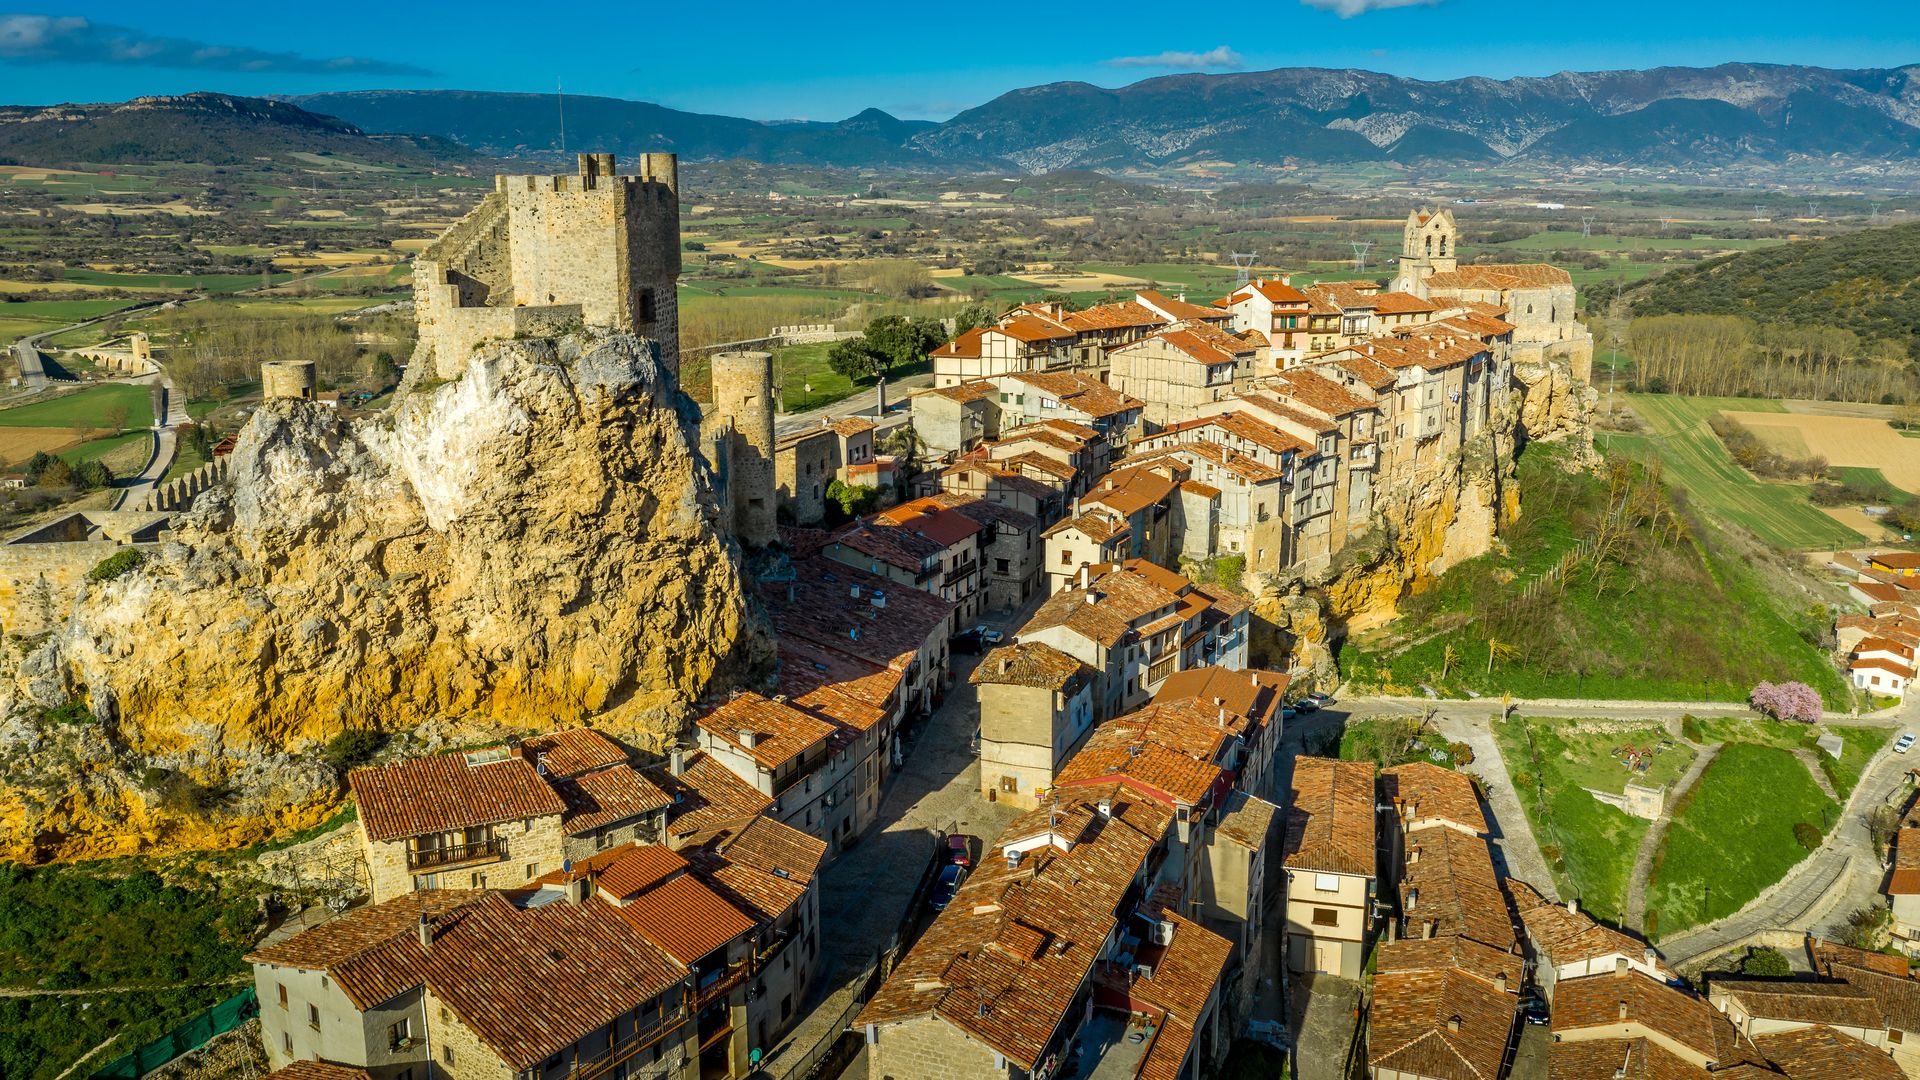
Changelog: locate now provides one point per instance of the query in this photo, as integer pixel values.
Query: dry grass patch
(19, 444)
(1847, 441)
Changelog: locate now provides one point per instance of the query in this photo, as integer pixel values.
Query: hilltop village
(712, 695)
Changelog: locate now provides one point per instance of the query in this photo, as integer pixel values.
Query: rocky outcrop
(529, 545)
(1555, 406)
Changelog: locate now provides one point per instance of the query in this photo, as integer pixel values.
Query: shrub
(355, 746)
(73, 713)
(116, 564)
(1786, 701)
(1461, 753)
(1691, 730)
(1807, 836)
(1762, 962)
(1552, 854)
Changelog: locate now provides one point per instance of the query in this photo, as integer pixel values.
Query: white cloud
(72, 39)
(1218, 58)
(1347, 9)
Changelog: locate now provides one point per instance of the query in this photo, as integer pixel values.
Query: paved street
(1516, 853)
(860, 404)
(865, 893)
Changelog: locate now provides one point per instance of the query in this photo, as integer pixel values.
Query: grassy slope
(87, 407)
(1685, 622)
(1734, 834)
(1697, 462)
(1595, 843)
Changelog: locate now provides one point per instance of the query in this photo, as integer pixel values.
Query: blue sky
(920, 59)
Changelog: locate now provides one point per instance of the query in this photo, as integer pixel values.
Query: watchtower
(740, 431)
(288, 379)
(541, 254)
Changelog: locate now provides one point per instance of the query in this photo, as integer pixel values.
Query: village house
(1275, 309)
(1902, 886)
(921, 545)
(1889, 981)
(808, 461)
(1624, 1014)
(1010, 549)
(1227, 503)
(656, 963)
(1762, 1007)
(501, 816)
(1052, 952)
(1094, 537)
(979, 478)
(1332, 866)
(1255, 698)
(1135, 624)
(1178, 369)
(1036, 705)
(1143, 501)
(953, 419)
(1019, 343)
(1443, 1009)
(1566, 943)
(1073, 396)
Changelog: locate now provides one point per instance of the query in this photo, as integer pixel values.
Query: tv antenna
(1586, 227)
(1360, 249)
(1242, 263)
(560, 95)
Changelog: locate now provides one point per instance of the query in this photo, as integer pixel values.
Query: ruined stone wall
(288, 379)
(803, 467)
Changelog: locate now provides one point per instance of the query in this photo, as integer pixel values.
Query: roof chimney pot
(425, 930)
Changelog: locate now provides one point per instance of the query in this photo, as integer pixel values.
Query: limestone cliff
(1439, 514)
(528, 545)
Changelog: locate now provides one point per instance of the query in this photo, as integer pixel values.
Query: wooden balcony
(492, 849)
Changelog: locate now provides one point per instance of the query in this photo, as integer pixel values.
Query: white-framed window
(1326, 882)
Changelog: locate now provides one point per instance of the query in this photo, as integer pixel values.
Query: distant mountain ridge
(218, 129)
(1761, 113)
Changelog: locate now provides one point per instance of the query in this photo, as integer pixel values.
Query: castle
(545, 255)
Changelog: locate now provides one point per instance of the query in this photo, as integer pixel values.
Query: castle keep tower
(288, 379)
(739, 434)
(541, 254)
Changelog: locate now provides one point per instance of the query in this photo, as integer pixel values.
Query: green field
(1558, 240)
(1590, 846)
(214, 283)
(87, 408)
(1732, 836)
(94, 449)
(1870, 479)
(1861, 743)
(1694, 460)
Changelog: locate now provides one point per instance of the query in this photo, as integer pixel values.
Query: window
(999, 566)
(1894, 1036)
(283, 995)
(400, 1034)
(1066, 558)
(603, 839)
(1326, 882)
(1325, 916)
(446, 1053)
(286, 1044)
(313, 1015)
(643, 305)
(786, 1006)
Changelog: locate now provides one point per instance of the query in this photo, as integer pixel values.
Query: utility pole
(1586, 227)
(1360, 249)
(560, 94)
(1242, 263)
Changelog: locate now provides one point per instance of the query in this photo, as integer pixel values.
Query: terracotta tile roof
(762, 866)
(1098, 527)
(1444, 1024)
(1829, 954)
(572, 752)
(1897, 560)
(1125, 315)
(1804, 1002)
(624, 872)
(705, 794)
(1426, 791)
(1875, 663)
(1378, 376)
(1500, 276)
(1064, 427)
(1620, 1059)
(685, 918)
(1034, 664)
(1129, 489)
(1399, 303)
(615, 793)
(848, 426)
(1186, 972)
(1316, 391)
(1571, 937)
(1905, 879)
(1179, 309)
(1244, 468)
(1896, 995)
(1878, 591)
(1006, 961)
(1082, 393)
(1251, 428)
(1205, 491)
(1450, 888)
(1169, 752)
(1330, 817)
(822, 609)
(907, 535)
(1026, 328)
(1197, 345)
(835, 687)
(972, 390)
(965, 345)
(1597, 1001)
(780, 732)
(1120, 599)
(1251, 693)
(1821, 1053)
(527, 981)
(1033, 433)
(1482, 961)
(317, 1070)
(1479, 325)
(1247, 820)
(1274, 290)
(1041, 463)
(444, 792)
(985, 512)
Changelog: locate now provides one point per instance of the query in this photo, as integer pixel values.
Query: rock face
(523, 547)
(1554, 406)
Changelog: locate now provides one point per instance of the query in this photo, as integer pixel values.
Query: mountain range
(1733, 114)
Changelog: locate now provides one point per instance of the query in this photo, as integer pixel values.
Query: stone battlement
(539, 253)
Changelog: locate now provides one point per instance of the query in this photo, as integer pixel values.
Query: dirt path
(90, 991)
(1636, 907)
(1812, 762)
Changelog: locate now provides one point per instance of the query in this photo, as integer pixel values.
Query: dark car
(960, 849)
(1535, 1012)
(944, 888)
(1305, 705)
(966, 642)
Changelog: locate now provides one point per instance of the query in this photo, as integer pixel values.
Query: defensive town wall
(42, 569)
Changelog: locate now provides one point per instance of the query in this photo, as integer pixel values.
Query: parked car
(1904, 743)
(1319, 698)
(945, 886)
(1305, 705)
(966, 641)
(960, 849)
(991, 637)
(1288, 712)
(1534, 1011)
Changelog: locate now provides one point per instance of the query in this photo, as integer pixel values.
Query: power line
(1360, 249)
(1242, 263)
(1586, 227)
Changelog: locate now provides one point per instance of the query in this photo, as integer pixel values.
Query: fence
(191, 1035)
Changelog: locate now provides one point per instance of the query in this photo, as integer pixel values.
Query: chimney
(1413, 899)
(1083, 575)
(1620, 966)
(1106, 807)
(1453, 1022)
(579, 888)
(676, 762)
(748, 738)
(1623, 1010)
(1006, 663)
(425, 930)
(1223, 717)
(1649, 956)
(1093, 598)
(1573, 906)
(1500, 982)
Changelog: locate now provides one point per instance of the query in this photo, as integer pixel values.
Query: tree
(974, 316)
(117, 418)
(853, 499)
(1786, 701)
(903, 341)
(1867, 927)
(1764, 963)
(92, 476)
(1883, 822)
(855, 359)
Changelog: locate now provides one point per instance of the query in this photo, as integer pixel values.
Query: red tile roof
(1330, 817)
(445, 792)
(572, 752)
(613, 794)
(779, 732)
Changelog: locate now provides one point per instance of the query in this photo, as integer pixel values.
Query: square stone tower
(541, 254)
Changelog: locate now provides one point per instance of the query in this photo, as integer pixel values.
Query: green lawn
(1871, 479)
(60, 311)
(1595, 759)
(94, 449)
(12, 330)
(1590, 846)
(1695, 460)
(1732, 836)
(88, 407)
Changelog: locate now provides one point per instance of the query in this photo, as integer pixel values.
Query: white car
(1904, 743)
